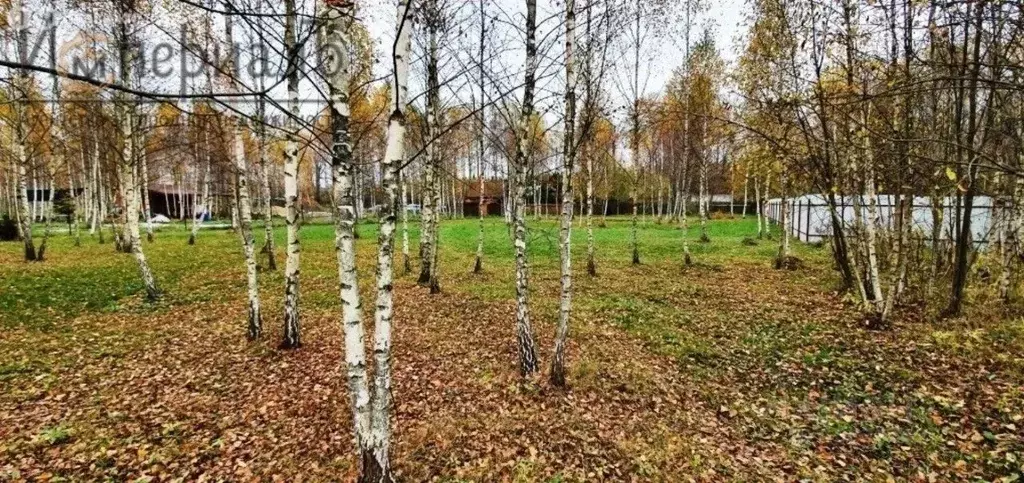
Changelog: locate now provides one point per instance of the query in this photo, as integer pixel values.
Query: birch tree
(430, 212)
(524, 332)
(255, 317)
(371, 410)
(565, 230)
(129, 183)
(292, 336)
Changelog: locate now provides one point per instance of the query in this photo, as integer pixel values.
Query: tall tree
(292, 337)
(524, 332)
(565, 230)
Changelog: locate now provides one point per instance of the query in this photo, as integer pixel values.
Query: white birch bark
(371, 412)
(47, 216)
(565, 231)
(524, 332)
(129, 158)
(292, 336)
(871, 224)
(244, 206)
(757, 202)
(79, 207)
(430, 207)
(268, 211)
(1012, 239)
(703, 197)
(746, 185)
(784, 223)
(144, 175)
(478, 266)
(201, 200)
(406, 262)
(591, 262)
(21, 83)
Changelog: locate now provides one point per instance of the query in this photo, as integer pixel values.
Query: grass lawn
(725, 370)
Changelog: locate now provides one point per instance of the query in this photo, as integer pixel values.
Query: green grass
(87, 279)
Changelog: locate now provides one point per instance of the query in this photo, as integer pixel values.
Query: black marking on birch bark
(372, 470)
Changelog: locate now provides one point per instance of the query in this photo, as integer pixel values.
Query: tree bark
(565, 232)
(524, 332)
(292, 332)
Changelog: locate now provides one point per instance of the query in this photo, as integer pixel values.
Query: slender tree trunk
(47, 217)
(101, 194)
(871, 224)
(430, 174)
(255, 316)
(524, 332)
(565, 232)
(406, 262)
(478, 266)
(79, 207)
(746, 185)
(702, 199)
(292, 335)
(144, 174)
(757, 201)
(131, 200)
(21, 86)
(394, 156)
(202, 200)
(782, 260)
(591, 262)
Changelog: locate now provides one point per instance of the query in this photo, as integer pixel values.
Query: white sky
(725, 17)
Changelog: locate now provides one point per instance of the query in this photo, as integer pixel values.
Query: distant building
(493, 198)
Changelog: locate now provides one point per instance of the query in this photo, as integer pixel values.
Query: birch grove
(887, 134)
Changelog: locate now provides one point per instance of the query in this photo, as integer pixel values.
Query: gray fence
(810, 220)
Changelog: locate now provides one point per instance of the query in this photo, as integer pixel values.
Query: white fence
(810, 220)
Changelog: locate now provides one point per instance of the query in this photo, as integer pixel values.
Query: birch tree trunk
(21, 85)
(1012, 239)
(371, 412)
(431, 194)
(255, 316)
(746, 184)
(268, 211)
(129, 155)
(478, 266)
(524, 332)
(782, 260)
(406, 262)
(345, 207)
(79, 206)
(144, 174)
(565, 231)
(47, 216)
(591, 262)
(702, 199)
(871, 224)
(394, 156)
(202, 201)
(757, 201)
(292, 335)
(101, 195)
(687, 257)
